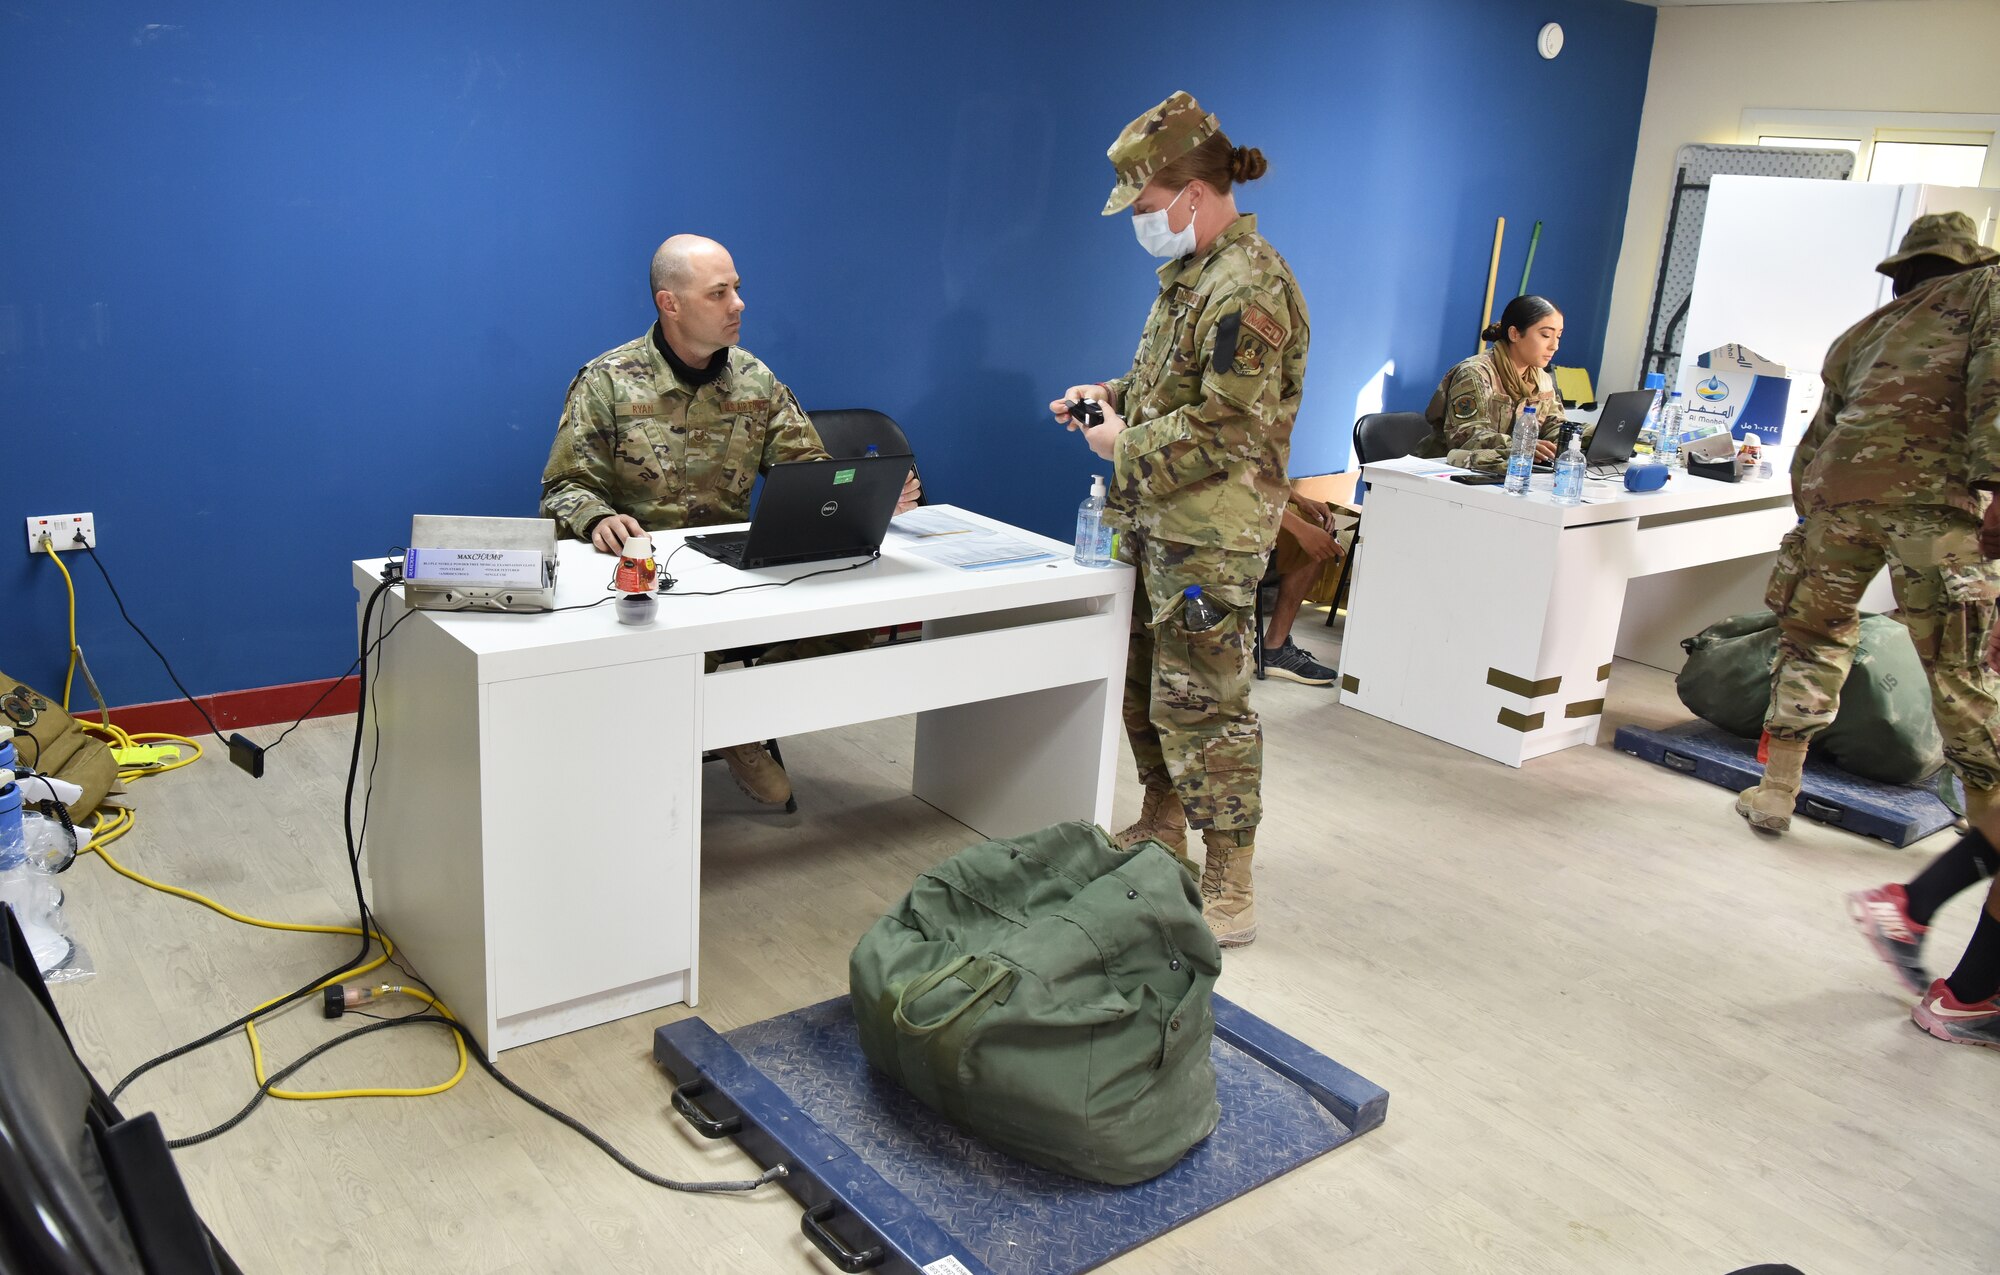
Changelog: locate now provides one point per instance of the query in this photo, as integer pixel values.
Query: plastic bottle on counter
(1521, 458)
(1671, 424)
(1093, 538)
(1569, 470)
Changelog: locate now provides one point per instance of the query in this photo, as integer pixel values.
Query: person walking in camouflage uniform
(1896, 468)
(1472, 413)
(1199, 435)
(670, 430)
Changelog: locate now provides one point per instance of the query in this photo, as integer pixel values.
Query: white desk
(1489, 620)
(535, 833)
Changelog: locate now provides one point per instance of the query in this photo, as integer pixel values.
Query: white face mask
(1154, 237)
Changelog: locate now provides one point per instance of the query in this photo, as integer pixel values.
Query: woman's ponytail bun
(1246, 163)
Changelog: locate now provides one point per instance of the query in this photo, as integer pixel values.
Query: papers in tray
(945, 535)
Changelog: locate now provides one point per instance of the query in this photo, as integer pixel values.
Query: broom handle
(1492, 277)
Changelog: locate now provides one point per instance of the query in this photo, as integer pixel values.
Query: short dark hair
(1521, 314)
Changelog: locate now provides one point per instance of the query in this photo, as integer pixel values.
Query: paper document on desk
(1420, 467)
(945, 535)
(927, 521)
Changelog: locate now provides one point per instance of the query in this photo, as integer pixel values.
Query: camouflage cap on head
(1950, 235)
(1154, 140)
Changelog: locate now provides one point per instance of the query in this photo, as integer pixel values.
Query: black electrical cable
(597, 1140)
(185, 694)
(354, 869)
(773, 584)
(334, 686)
(355, 841)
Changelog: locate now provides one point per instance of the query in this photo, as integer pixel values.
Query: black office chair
(851, 431)
(1387, 435)
(83, 1189)
(1377, 436)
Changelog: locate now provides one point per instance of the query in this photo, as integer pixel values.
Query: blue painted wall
(279, 276)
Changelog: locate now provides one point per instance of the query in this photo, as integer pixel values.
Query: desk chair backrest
(850, 431)
(1388, 435)
(83, 1190)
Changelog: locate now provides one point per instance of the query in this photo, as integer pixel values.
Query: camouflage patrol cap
(1154, 140)
(1950, 235)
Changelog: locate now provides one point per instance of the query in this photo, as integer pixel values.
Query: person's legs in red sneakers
(1895, 918)
(1962, 1009)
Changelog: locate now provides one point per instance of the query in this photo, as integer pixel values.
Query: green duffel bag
(1884, 729)
(1050, 995)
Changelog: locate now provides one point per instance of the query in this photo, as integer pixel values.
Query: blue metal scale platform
(889, 1185)
(1895, 813)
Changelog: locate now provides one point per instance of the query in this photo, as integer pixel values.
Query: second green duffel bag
(1050, 995)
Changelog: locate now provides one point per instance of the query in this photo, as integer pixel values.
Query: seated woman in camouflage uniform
(1472, 414)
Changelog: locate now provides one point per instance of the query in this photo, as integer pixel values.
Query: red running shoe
(1883, 917)
(1945, 1017)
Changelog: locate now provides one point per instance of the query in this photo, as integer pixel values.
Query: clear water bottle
(1521, 460)
(1672, 421)
(1569, 470)
(1650, 430)
(1198, 613)
(13, 837)
(1093, 538)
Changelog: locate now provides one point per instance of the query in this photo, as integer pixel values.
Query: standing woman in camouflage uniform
(1199, 436)
(1472, 414)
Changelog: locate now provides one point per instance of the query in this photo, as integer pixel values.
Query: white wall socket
(62, 529)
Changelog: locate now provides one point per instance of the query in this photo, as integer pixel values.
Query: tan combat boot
(1161, 819)
(758, 773)
(1769, 804)
(1228, 905)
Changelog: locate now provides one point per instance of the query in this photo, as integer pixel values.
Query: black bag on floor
(1884, 730)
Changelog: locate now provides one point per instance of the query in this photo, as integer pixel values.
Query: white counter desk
(1489, 620)
(534, 841)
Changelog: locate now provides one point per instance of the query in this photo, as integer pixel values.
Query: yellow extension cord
(106, 829)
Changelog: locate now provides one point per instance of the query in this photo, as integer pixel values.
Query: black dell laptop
(814, 511)
(1618, 427)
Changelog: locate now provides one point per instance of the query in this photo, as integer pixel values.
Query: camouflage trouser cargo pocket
(1228, 753)
(1966, 626)
(1787, 571)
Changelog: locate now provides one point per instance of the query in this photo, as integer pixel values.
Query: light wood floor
(1620, 1031)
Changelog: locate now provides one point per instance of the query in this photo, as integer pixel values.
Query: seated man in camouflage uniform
(670, 431)
(1898, 469)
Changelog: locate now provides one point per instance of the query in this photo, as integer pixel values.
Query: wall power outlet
(63, 530)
